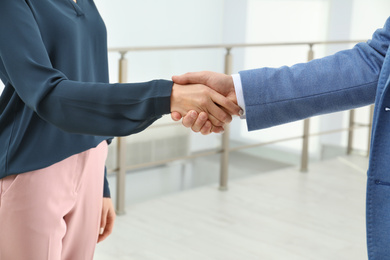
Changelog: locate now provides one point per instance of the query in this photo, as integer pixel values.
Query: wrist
(174, 97)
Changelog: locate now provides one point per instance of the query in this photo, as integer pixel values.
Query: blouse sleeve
(106, 186)
(76, 107)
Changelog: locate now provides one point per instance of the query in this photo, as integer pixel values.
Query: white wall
(164, 23)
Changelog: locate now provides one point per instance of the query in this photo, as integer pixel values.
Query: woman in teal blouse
(57, 103)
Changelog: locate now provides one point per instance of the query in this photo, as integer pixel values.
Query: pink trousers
(53, 213)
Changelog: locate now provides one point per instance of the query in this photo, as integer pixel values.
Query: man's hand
(107, 219)
(221, 83)
(201, 98)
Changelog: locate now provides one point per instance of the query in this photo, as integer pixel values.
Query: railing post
(310, 54)
(306, 128)
(370, 129)
(121, 150)
(226, 135)
(305, 145)
(351, 131)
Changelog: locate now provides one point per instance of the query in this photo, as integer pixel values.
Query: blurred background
(171, 207)
(190, 23)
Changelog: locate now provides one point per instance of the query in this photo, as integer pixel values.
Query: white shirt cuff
(239, 94)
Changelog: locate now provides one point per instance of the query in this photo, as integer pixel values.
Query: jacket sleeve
(76, 107)
(345, 80)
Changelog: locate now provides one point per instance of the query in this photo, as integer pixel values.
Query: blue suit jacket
(346, 80)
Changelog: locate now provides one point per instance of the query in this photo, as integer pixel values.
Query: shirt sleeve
(239, 94)
(76, 107)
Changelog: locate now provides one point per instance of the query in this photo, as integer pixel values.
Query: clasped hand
(205, 100)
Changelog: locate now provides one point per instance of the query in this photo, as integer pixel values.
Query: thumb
(192, 78)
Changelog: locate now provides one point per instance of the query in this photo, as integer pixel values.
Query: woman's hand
(107, 219)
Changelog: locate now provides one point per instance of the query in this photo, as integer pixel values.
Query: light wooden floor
(282, 214)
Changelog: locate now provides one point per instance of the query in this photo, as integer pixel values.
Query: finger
(215, 122)
(231, 107)
(200, 121)
(217, 129)
(190, 118)
(176, 116)
(103, 223)
(107, 231)
(104, 235)
(192, 78)
(213, 129)
(109, 226)
(224, 110)
(206, 129)
(217, 115)
(103, 220)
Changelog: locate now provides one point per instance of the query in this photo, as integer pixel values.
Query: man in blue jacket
(346, 80)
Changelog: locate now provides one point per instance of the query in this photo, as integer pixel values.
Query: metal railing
(225, 149)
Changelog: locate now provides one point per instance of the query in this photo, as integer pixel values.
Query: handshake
(205, 100)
